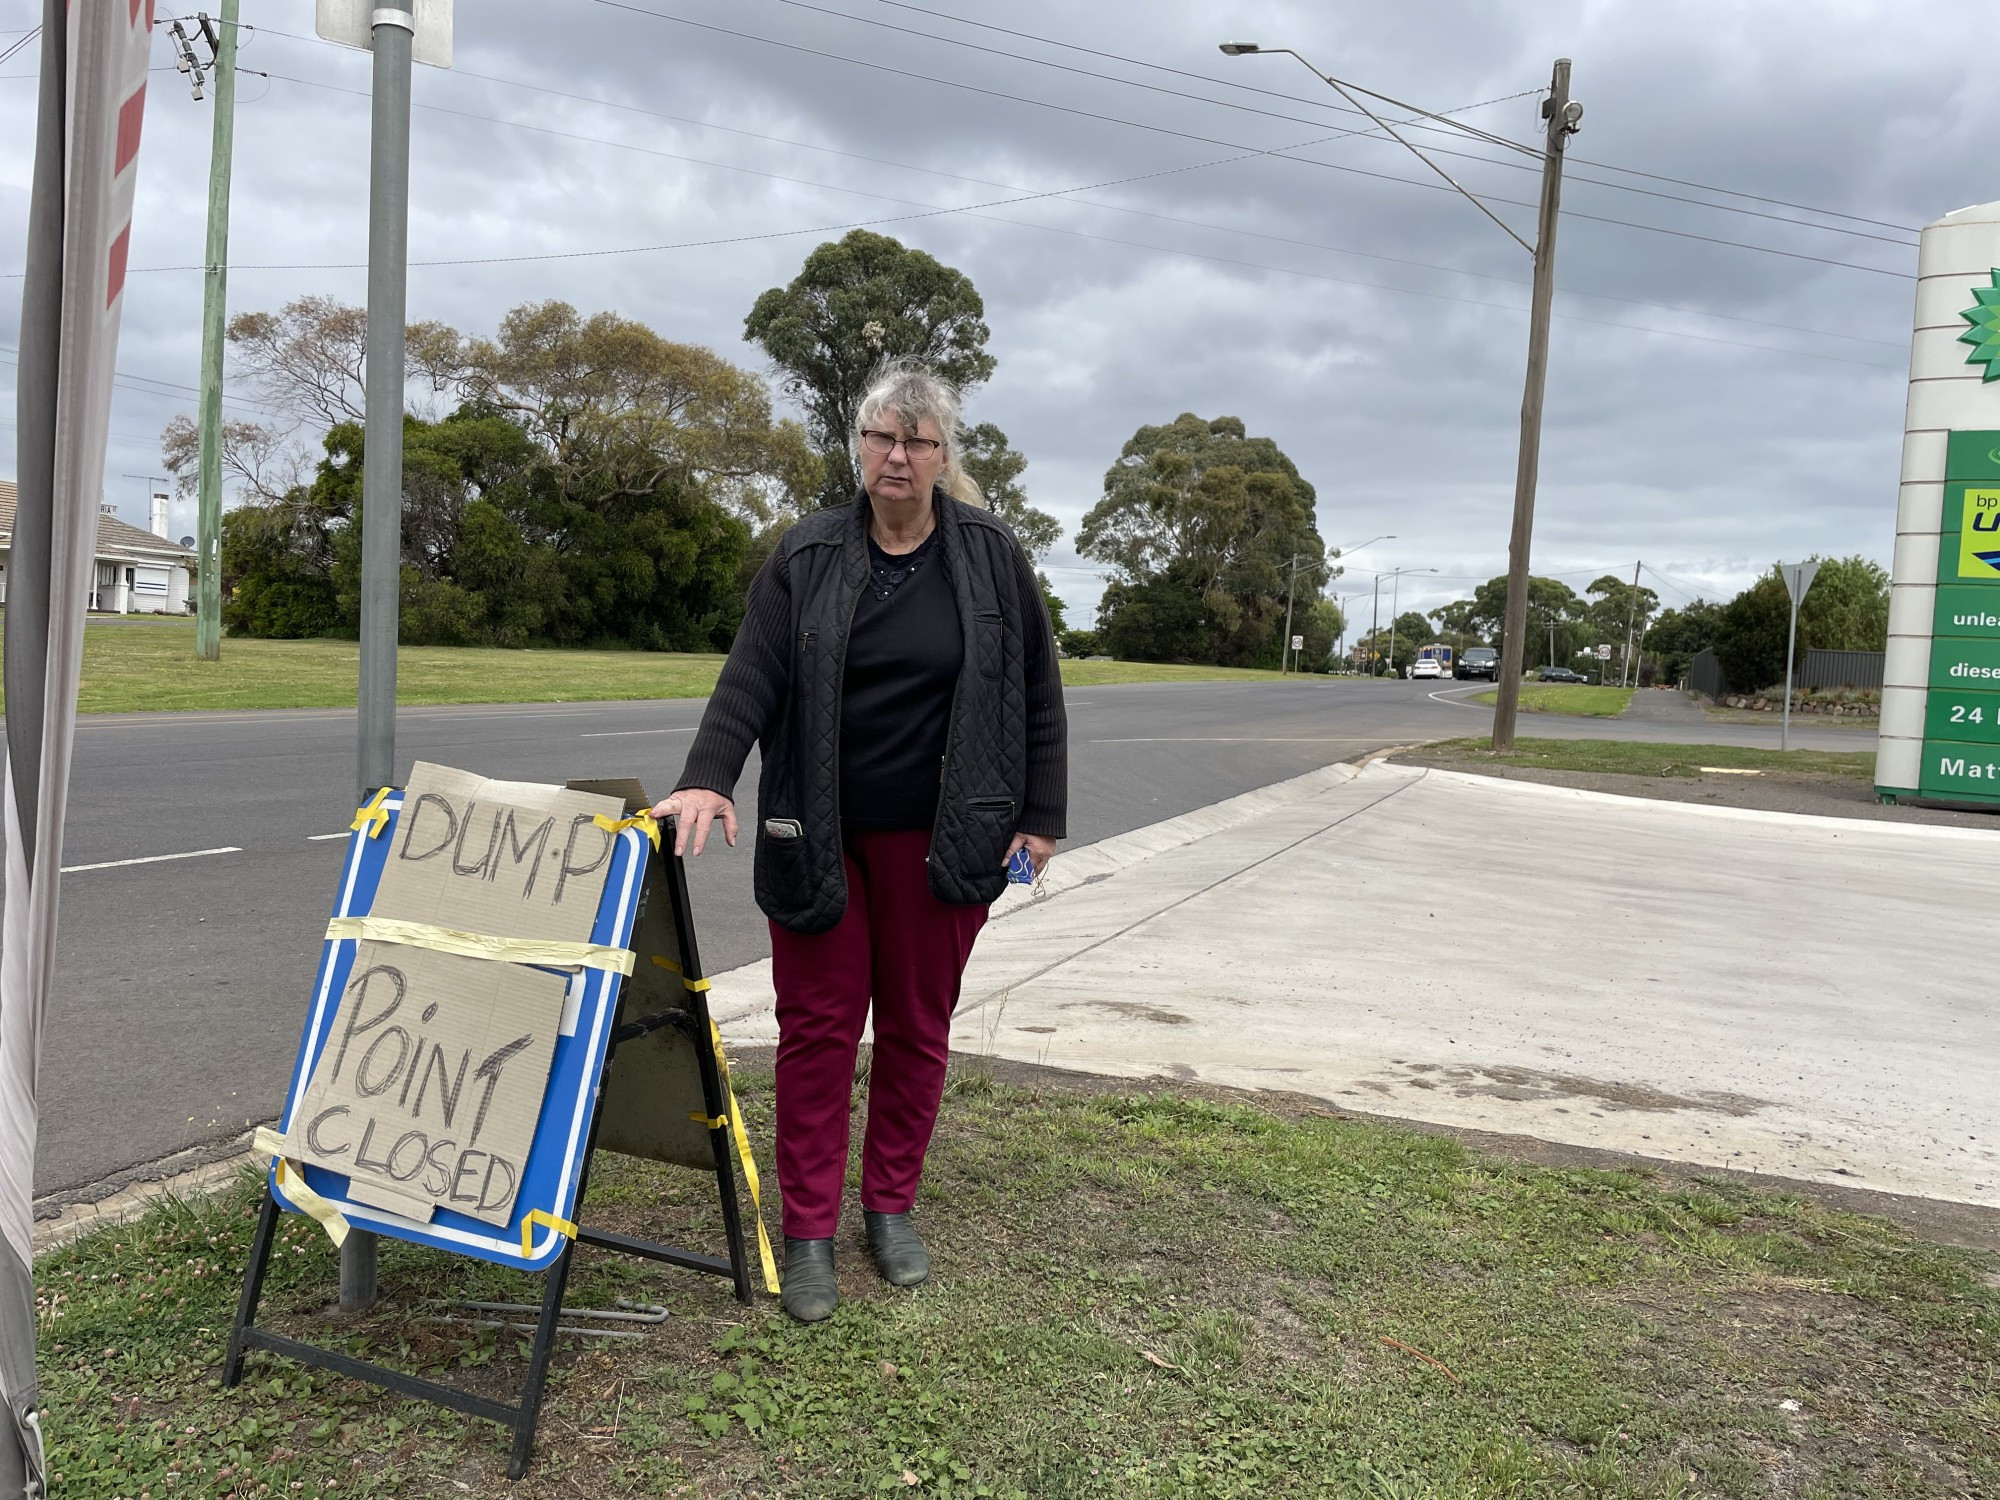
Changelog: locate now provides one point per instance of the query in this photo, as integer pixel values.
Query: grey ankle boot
(899, 1255)
(810, 1291)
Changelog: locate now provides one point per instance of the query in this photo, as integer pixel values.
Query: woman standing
(897, 671)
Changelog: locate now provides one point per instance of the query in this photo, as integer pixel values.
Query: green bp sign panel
(1962, 708)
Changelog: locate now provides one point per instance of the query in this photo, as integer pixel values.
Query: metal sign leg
(253, 1287)
(538, 1364)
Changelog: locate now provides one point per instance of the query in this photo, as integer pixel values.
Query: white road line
(150, 859)
(1249, 739)
(612, 734)
(320, 838)
(1460, 702)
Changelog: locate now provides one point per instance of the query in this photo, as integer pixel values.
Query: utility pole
(1631, 624)
(1562, 116)
(214, 315)
(1286, 644)
(1374, 621)
(1395, 598)
(394, 31)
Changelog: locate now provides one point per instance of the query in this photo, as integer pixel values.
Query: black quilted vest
(801, 883)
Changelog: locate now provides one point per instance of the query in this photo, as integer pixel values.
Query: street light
(1395, 593)
(1340, 603)
(1562, 115)
(1285, 645)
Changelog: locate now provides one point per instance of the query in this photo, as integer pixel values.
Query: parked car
(1559, 674)
(1478, 661)
(1424, 668)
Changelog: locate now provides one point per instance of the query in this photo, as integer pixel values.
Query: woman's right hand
(695, 808)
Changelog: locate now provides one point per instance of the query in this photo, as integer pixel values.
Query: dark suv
(1478, 661)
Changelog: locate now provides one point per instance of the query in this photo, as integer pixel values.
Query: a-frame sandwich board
(642, 878)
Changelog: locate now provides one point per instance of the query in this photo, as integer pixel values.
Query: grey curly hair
(912, 391)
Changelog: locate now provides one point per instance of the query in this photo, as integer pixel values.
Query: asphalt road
(181, 983)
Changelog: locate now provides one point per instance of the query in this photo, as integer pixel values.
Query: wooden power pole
(214, 319)
(1631, 624)
(1562, 116)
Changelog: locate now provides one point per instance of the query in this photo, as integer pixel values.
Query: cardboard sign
(504, 857)
(428, 1090)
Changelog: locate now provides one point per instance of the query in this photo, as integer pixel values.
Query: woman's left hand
(1039, 849)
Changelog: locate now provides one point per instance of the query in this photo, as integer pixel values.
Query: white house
(138, 572)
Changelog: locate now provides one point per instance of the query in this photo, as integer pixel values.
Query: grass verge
(1568, 698)
(1637, 759)
(1137, 1295)
(151, 666)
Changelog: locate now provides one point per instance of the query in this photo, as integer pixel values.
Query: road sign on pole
(1798, 578)
(352, 24)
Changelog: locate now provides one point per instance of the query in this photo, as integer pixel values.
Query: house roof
(115, 538)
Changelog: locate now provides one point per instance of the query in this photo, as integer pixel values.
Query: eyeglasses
(885, 442)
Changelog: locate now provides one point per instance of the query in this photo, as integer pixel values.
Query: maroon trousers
(901, 945)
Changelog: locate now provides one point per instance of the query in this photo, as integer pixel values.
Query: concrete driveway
(1768, 992)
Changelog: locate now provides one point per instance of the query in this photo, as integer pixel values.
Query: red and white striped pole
(92, 103)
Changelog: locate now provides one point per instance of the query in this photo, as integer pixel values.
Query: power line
(1830, 213)
(1327, 104)
(927, 211)
(1283, 155)
(1071, 193)
(130, 383)
(1029, 194)
(16, 46)
(1685, 591)
(930, 212)
(1369, 134)
(933, 211)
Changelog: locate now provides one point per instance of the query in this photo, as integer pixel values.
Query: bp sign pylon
(1940, 732)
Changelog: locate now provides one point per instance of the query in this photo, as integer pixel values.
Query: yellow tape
(668, 963)
(547, 952)
(375, 816)
(713, 1122)
(268, 1142)
(735, 1119)
(536, 1216)
(642, 821)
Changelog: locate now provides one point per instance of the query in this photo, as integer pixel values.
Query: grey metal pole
(1791, 642)
(382, 464)
(1286, 644)
(1374, 622)
(214, 318)
(1395, 598)
(1507, 700)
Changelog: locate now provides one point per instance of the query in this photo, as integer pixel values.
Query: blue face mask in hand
(1021, 868)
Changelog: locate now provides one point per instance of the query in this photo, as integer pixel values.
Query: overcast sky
(1710, 408)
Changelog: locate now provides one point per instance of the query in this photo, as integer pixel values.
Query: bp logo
(1979, 535)
(1984, 334)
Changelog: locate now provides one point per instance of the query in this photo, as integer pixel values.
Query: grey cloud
(1706, 458)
